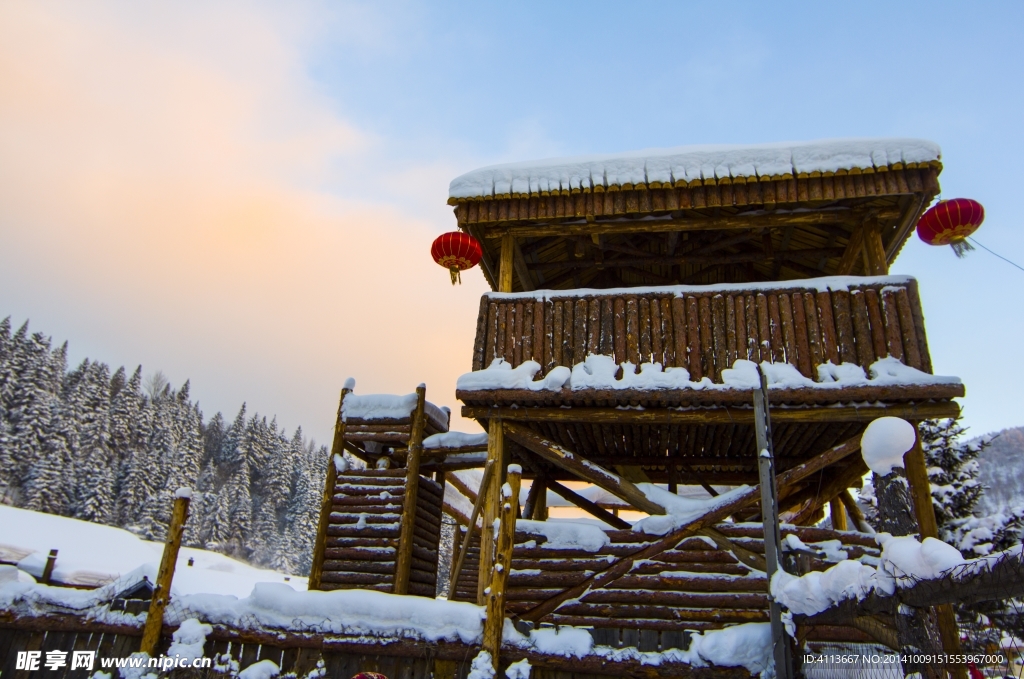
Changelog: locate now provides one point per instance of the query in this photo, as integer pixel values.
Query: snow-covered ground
(92, 555)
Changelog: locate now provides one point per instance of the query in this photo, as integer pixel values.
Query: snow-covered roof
(690, 165)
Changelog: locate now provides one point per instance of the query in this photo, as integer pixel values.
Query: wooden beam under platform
(714, 415)
(740, 221)
(582, 468)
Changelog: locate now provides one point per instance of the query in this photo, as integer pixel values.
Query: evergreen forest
(112, 447)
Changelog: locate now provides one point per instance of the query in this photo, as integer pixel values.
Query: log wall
(363, 533)
(695, 586)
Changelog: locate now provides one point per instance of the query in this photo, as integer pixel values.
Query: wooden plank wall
(695, 586)
(707, 331)
(362, 538)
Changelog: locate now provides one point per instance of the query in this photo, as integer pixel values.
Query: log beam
(776, 220)
(585, 470)
(722, 415)
(586, 505)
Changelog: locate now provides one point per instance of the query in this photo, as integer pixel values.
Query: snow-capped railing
(828, 332)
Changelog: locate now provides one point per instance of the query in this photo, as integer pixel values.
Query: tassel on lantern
(456, 275)
(961, 248)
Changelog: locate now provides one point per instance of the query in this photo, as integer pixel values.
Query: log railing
(706, 328)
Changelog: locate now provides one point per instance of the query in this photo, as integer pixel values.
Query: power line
(996, 254)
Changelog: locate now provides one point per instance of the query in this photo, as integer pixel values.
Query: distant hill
(1002, 471)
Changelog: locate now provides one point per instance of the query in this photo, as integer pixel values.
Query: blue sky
(307, 150)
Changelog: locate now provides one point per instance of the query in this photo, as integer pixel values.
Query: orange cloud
(162, 198)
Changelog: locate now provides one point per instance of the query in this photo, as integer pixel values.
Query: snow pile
(817, 591)
(598, 371)
(501, 375)
(454, 439)
(684, 164)
(747, 645)
(264, 669)
(564, 641)
(387, 407)
(884, 443)
(14, 574)
(518, 670)
(189, 640)
(26, 537)
(350, 611)
(680, 510)
(482, 667)
(566, 534)
(904, 561)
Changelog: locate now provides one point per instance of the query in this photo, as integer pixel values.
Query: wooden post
(920, 489)
(924, 511)
(856, 515)
(494, 623)
(464, 547)
(835, 508)
(164, 576)
(412, 486)
(495, 456)
(508, 248)
(875, 251)
(537, 488)
(51, 561)
(330, 481)
(770, 520)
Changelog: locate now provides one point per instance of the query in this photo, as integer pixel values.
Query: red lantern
(369, 675)
(950, 222)
(456, 251)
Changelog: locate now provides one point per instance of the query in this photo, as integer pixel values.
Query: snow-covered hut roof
(683, 166)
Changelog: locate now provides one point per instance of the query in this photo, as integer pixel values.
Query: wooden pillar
(856, 515)
(165, 576)
(508, 249)
(327, 499)
(873, 248)
(924, 511)
(494, 623)
(835, 508)
(920, 489)
(917, 629)
(495, 457)
(770, 519)
(412, 486)
(51, 563)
